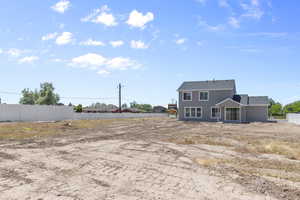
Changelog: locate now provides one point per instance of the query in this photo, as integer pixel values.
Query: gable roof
(208, 85)
(226, 100)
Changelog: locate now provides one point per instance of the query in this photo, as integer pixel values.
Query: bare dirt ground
(149, 159)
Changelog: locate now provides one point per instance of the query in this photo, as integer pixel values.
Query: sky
(86, 48)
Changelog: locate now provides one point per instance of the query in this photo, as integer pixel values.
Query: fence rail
(30, 113)
(293, 118)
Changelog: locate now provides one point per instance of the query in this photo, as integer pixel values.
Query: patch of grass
(19, 131)
(208, 162)
(271, 168)
(200, 140)
(288, 149)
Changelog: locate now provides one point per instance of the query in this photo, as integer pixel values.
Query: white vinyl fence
(16, 112)
(293, 118)
(30, 113)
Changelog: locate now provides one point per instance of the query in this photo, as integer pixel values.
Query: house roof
(207, 85)
(258, 100)
(241, 98)
(244, 99)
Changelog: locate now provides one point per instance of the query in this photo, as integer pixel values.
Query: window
(232, 114)
(203, 96)
(199, 112)
(193, 112)
(187, 112)
(187, 96)
(215, 113)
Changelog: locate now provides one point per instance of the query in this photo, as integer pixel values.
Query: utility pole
(120, 97)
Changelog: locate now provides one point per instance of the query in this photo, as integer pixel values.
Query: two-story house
(217, 100)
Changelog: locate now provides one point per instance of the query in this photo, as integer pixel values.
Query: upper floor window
(203, 96)
(187, 96)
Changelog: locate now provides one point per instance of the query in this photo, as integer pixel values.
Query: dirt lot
(149, 159)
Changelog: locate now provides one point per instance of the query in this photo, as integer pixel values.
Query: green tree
(28, 97)
(124, 106)
(276, 109)
(142, 107)
(292, 108)
(78, 108)
(47, 95)
(145, 107)
(134, 104)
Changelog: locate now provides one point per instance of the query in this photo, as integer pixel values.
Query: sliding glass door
(232, 114)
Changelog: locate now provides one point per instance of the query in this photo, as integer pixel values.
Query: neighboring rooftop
(258, 100)
(254, 100)
(208, 85)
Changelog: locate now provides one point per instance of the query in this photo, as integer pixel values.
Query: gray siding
(257, 114)
(215, 96)
(244, 114)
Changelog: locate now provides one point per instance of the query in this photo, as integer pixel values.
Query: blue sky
(85, 48)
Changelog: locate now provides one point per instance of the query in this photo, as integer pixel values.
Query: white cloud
(61, 6)
(101, 16)
(102, 64)
(90, 60)
(232, 21)
(252, 10)
(224, 4)
(208, 27)
(106, 19)
(49, 36)
(91, 42)
(58, 60)
(180, 41)
(28, 59)
(64, 38)
(138, 44)
(116, 43)
(121, 63)
(103, 72)
(1, 51)
(137, 19)
(15, 52)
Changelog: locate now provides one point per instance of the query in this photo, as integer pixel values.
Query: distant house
(172, 106)
(159, 109)
(217, 100)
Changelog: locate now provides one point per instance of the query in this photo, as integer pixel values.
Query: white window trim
(207, 95)
(240, 108)
(218, 117)
(195, 113)
(187, 92)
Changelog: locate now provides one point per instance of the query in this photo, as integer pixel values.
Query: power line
(12, 93)
(90, 98)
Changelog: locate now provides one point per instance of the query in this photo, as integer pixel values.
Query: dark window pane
(193, 112)
(203, 95)
(187, 96)
(199, 112)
